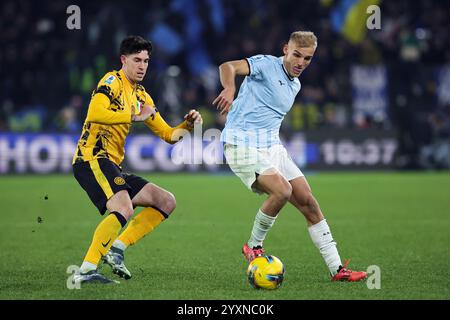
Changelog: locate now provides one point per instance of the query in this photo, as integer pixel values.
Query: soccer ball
(266, 272)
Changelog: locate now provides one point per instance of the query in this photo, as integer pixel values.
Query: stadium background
(371, 100)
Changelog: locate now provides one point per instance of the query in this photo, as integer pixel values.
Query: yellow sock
(143, 223)
(104, 236)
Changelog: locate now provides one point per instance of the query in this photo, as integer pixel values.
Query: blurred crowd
(48, 71)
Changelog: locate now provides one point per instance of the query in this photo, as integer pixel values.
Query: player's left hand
(146, 112)
(192, 117)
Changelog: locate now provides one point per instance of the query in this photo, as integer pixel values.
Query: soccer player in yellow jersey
(117, 102)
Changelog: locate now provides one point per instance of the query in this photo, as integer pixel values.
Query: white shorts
(248, 162)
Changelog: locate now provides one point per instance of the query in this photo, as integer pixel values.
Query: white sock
(87, 266)
(119, 245)
(321, 236)
(261, 226)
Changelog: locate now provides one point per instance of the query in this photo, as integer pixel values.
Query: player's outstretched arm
(169, 134)
(228, 72)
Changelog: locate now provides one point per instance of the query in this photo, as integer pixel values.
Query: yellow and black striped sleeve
(98, 112)
(160, 127)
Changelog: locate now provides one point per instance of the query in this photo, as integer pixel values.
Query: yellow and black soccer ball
(266, 272)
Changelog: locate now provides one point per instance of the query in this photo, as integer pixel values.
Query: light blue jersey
(265, 96)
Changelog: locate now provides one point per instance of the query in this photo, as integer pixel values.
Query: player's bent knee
(170, 203)
(126, 212)
(166, 203)
(121, 202)
(284, 192)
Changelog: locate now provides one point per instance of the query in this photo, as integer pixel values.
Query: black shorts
(102, 178)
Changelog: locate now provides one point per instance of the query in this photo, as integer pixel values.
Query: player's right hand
(224, 100)
(146, 113)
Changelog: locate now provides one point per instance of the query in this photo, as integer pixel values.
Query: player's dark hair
(135, 44)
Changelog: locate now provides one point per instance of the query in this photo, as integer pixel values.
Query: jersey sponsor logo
(110, 79)
(119, 181)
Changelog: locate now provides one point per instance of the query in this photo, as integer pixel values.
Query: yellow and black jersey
(108, 119)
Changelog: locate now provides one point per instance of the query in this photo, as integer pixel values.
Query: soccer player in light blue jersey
(255, 154)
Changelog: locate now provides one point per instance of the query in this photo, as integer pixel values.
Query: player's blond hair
(304, 39)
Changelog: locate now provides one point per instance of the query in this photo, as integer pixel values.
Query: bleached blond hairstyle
(304, 39)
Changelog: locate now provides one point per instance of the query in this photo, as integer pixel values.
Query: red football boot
(252, 253)
(345, 274)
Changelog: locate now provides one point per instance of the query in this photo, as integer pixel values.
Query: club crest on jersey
(110, 79)
(138, 107)
(119, 181)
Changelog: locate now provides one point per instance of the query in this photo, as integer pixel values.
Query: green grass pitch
(397, 221)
